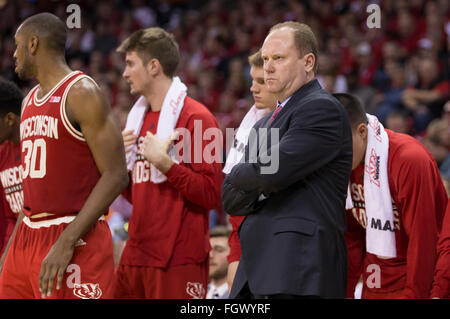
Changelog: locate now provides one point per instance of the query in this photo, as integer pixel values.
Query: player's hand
(128, 138)
(54, 266)
(156, 150)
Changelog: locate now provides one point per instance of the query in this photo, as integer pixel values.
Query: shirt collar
(282, 104)
(221, 289)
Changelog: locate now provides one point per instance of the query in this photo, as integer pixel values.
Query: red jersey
(441, 284)
(10, 187)
(59, 171)
(419, 202)
(169, 224)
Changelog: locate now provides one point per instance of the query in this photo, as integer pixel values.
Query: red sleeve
(443, 88)
(422, 198)
(200, 182)
(233, 240)
(441, 284)
(356, 247)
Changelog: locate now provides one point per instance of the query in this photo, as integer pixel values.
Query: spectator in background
(436, 141)
(218, 263)
(427, 97)
(328, 77)
(398, 121)
(364, 92)
(391, 96)
(367, 66)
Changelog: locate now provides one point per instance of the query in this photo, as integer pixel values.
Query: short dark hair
(354, 107)
(47, 27)
(10, 98)
(220, 231)
(154, 43)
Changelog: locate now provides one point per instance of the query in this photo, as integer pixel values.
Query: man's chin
(135, 92)
(22, 75)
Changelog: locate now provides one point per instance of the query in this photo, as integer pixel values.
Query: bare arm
(87, 107)
(5, 252)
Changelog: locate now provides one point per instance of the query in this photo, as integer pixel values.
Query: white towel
(380, 236)
(135, 119)
(170, 111)
(241, 139)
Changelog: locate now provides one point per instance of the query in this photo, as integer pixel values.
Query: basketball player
(401, 267)
(166, 255)
(265, 102)
(11, 194)
(73, 168)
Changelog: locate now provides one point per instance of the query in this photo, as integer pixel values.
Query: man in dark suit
(293, 235)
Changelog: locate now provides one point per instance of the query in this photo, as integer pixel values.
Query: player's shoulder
(83, 86)
(193, 109)
(404, 148)
(84, 94)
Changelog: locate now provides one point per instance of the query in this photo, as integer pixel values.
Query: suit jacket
(293, 240)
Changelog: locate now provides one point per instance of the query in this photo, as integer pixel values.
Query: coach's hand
(55, 265)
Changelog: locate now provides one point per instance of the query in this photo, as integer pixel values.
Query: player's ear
(33, 43)
(362, 130)
(10, 118)
(154, 67)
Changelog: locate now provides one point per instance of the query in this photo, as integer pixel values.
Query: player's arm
(355, 240)
(5, 251)
(87, 107)
(198, 181)
(313, 139)
(441, 282)
(422, 198)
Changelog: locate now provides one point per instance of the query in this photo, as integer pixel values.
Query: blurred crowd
(401, 70)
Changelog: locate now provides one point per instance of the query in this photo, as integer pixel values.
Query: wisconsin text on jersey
(11, 179)
(39, 125)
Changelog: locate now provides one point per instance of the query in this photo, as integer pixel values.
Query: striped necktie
(277, 110)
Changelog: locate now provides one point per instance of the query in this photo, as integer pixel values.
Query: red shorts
(88, 275)
(176, 282)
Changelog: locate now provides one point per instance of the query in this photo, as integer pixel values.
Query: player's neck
(156, 94)
(219, 282)
(48, 77)
(15, 134)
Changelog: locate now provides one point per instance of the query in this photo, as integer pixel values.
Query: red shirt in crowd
(169, 224)
(419, 202)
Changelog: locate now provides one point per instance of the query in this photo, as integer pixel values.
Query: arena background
(380, 53)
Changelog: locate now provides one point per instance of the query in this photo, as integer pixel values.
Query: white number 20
(31, 149)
